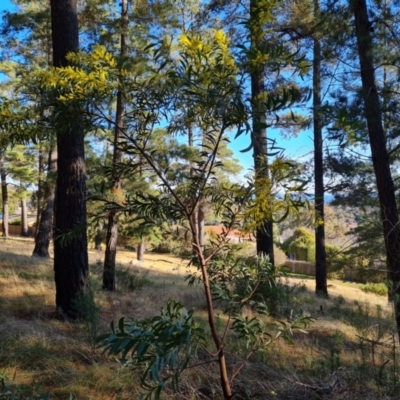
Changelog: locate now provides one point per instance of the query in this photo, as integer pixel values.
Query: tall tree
(380, 154)
(264, 235)
(112, 228)
(4, 194)
(320, 250)
(70, 242)
(21, 167)
(34, 50)
(45, 226)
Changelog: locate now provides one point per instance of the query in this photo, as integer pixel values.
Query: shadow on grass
(58, 355)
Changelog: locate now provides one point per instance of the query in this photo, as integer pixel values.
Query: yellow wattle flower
(184, 40)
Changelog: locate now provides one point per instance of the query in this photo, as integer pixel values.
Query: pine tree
(380, 155)
(4, 195)
(35, 51)
(264, 235)
(70, 242)
(112, 227)
(320, 250)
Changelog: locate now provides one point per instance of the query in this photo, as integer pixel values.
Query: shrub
(336, 262)
(377, 288)
(177, 242)
(302, 244)
(89, 312)
(242, 250)
(277, 294)
(131, 280)
(15, 222)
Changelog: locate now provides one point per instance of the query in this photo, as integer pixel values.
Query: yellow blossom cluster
(88, 74)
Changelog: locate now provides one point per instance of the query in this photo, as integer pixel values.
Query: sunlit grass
(353, 329)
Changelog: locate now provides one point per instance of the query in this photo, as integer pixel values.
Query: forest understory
(350, 351)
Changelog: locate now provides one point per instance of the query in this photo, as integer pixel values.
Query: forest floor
(352, 338)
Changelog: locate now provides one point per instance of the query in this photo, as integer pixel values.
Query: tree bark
(379, 152)
(112, 228)
(40, 188)
(4, 196)
(264, 234)
(45, 226)
(98, 239)
(24, 218)
(321, 286)
(71, 268)
(141, 248)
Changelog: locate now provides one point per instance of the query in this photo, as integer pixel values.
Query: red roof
(234, 233)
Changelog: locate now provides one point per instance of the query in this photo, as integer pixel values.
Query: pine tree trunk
(321, 286)
(4, 196)
(39, 192)
(24, 218)
(71, 268)
(141, 248)
(45, 227)
(111, 252)
(98, 239)
(379, 152)
(112, 228)
(264, 234)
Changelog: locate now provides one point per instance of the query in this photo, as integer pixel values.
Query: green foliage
(175, 240)
(88, 311)
(228, 274)
(131, 280)
(297, 234)
(267, 284)
(15, 222)
(160, 347)
(377, 288)
(366, 257)
(302, 244)
(335, 261)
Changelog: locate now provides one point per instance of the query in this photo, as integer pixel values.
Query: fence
(15, 230)
(300, 267)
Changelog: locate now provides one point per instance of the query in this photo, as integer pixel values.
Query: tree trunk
(112, 228)
(98, 239)
(264, 234)
(111, 252)
(44, 229)
(4, 196)
(380, 155)
(194, 213)
(321, 286)
(40, 188)
(24, 218)
(141, 248)
(71, 268)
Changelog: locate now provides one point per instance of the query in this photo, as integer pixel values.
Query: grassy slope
(354, 331)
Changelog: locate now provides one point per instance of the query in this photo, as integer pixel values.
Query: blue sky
(299, 147)
(6, 5)
(295, 148)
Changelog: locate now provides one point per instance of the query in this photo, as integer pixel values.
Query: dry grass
(355, 331)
